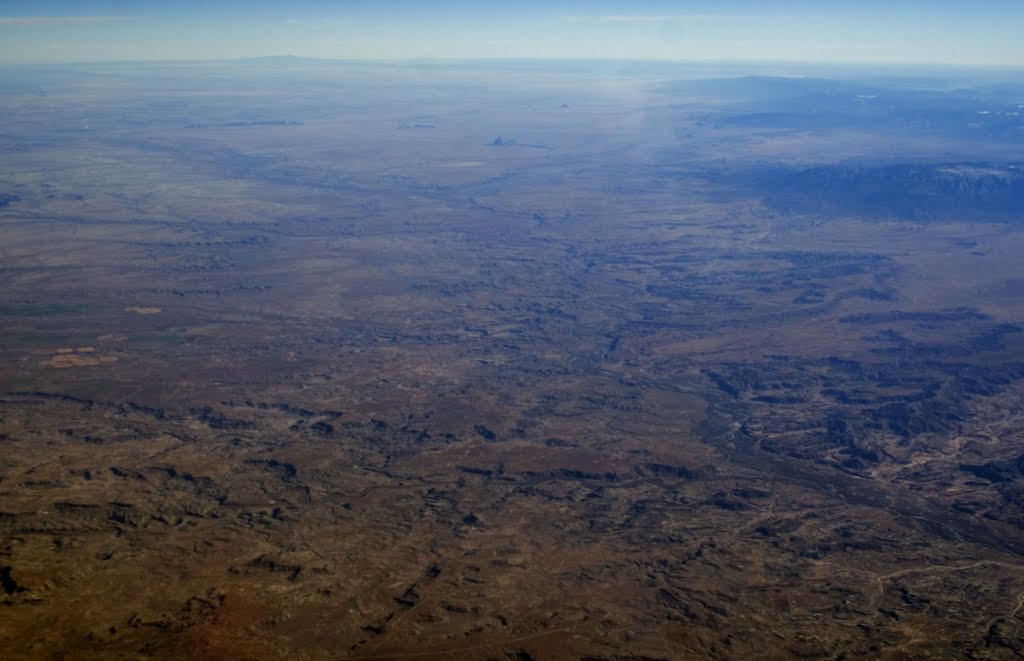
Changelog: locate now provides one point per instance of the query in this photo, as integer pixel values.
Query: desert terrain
(316, 360)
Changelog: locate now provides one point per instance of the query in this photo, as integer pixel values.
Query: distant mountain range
(953, 191)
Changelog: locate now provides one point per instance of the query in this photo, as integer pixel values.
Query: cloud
(669, 18)
(61, 20)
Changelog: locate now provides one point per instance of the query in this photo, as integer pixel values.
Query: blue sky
(983, 32)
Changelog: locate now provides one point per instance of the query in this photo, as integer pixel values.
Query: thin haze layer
(871, 31)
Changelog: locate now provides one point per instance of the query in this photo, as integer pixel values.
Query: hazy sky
(985, 32)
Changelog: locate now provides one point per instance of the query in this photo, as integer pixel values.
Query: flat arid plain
(510, 361)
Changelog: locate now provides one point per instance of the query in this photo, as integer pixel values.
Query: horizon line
(530, 59)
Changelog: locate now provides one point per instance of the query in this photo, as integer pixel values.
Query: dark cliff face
(917, 192)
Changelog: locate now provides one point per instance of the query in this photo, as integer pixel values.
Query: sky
(980, 32)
